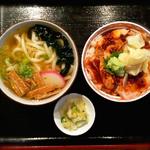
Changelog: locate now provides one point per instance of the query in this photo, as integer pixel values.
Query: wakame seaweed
(58, 42)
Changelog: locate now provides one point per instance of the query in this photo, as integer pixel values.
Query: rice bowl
(115, 61)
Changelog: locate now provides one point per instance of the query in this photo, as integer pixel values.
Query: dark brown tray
(116, 123)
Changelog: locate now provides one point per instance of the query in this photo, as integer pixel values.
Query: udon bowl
(98, 83)
(26, 25)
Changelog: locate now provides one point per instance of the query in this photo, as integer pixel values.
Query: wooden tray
(116, 123)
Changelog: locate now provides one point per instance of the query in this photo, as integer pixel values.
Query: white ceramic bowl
(100, 31)
(90, 111)
(27, 24)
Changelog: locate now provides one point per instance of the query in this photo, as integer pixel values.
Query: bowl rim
(83, 129)
(90, 83)
(54, 26)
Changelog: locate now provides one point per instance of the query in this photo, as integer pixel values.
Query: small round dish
(89, 109)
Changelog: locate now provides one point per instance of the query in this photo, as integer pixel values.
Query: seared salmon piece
(118, 32)
(17, 84)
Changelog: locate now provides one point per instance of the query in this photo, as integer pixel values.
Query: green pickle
(74, 114)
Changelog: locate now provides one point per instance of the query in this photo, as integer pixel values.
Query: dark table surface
(115, 122)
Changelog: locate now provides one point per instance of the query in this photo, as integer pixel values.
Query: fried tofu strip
(42, 96)
(17, 84)
(38, 80)
(30, 83)
(15, 88)
(41, 92)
